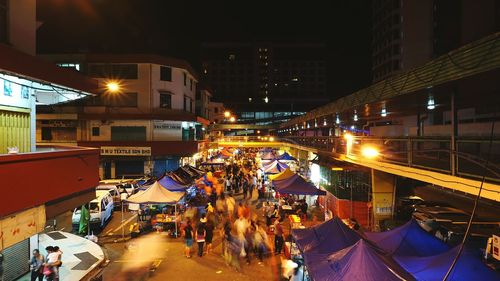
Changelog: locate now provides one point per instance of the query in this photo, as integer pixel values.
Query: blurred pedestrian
(209, 230)
(278, 236)
(200, 238)
(36, 266)
(188, 236)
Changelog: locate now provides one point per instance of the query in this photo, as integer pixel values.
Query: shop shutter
(129, 169)
(14, 131)
(15, 260)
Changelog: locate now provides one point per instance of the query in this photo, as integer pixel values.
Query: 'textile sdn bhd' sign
(125, 151)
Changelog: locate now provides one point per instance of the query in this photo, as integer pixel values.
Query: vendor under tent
(408, 240)
(434, 268)
(213, 163)
(274, 167)
(156, 194)
(298, 186)
(286, 157)
(327, 237)
(281, 176)
(357, 262)
(170, 184)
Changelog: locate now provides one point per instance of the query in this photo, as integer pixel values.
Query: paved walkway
(80, 256)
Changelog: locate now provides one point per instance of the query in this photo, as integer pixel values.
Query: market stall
(156, 194)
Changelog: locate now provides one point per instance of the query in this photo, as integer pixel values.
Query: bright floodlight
(113, 86)
(227, 114)
(369, 152)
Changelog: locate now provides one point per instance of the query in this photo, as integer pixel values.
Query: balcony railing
(468, 160)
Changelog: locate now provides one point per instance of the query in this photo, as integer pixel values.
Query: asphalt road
(130, 259)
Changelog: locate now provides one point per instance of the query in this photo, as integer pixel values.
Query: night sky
(176, 28)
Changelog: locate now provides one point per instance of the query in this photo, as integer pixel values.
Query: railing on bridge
(469, 159)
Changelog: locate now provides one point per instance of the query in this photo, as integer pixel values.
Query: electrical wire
(476, 203)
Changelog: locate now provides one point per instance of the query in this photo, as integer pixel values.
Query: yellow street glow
(227, 114)
(113, 86)
(369, 152)
(271, 138)
(232, 119)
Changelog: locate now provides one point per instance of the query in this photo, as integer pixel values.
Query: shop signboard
(164, 130)
(125, 151)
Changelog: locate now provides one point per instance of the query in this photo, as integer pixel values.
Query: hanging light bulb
(337, 119)
(266, 99)
(383, 113)
(430, 102)
(324, 122)
(315, 123)
(353, 127)
(308, 126)
(355, 116)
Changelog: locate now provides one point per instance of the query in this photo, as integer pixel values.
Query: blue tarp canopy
(170, 184)
(357, 262)
(298, 186)
(325, 238)
(433, 268)
(408, 240)
(274, 167)
(286, 157)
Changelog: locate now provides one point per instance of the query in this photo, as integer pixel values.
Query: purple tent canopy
(285, 182)
(267, 156)
(170, 184)
(433, 268)
(274, 167)
(297, 185)
(286, 157)
(328, 237)
(408, 240)
(357, 262)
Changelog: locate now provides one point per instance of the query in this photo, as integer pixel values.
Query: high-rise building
(278, 79)
(406, 34)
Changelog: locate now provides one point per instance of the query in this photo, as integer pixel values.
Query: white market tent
(156, 194)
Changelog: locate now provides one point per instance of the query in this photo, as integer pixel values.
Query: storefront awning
(52, 84)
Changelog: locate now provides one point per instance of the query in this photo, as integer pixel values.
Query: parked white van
(101, 209)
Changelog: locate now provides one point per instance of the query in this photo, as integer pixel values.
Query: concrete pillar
(383, 195)
(113, 170)
(101, 170)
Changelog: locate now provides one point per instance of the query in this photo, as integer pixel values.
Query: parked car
(405, 206)
(100, 209)
(114, 192)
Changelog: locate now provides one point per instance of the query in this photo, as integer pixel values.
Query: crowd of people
(244, 233)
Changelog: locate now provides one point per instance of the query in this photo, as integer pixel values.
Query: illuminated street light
(430, 103)
(369, 152)
(232, 119)
(383, 113)
(227, 114)
(113, 86)
(271, 138)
